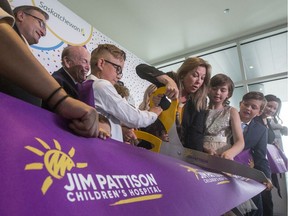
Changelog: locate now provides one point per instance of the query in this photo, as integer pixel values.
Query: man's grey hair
(28, 8)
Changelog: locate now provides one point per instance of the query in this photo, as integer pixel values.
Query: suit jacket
(193, 126)
(66, 82)
(271, 134)
(256, 139)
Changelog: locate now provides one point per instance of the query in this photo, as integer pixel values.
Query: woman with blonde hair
(146, 98)
(157, 128)
(189, 85)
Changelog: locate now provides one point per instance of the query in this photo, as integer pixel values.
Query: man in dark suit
(75, 67)
(256, 138)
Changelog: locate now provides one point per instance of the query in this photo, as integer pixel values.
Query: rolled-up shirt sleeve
(109, 101)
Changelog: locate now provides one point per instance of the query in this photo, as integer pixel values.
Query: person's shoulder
(256, 124)
(6, 16)
(59, 75)
(60, 71)
(258, 119)
(6, 13)
(233, 110)
(172, 75)
(102, 84)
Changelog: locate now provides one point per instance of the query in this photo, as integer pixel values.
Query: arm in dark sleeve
(259, 155)
(150, 74)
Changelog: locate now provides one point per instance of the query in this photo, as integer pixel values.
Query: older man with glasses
(107, 62)
(30, 23)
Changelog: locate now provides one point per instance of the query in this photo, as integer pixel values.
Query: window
(277, 87)
(237, 97)
(265, 56)
(225, 61)
(170, 66)
(262, 66)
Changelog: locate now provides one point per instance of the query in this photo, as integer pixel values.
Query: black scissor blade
(211, 162)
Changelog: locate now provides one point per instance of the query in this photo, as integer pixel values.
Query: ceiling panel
(159, 30)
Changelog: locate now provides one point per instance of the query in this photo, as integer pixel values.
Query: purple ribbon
(277, 159)
(244, 157)
(46, 170)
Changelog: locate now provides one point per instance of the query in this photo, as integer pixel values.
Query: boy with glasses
(107, 62)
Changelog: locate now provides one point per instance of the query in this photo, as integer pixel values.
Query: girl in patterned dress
(223, 121)
(222, 124)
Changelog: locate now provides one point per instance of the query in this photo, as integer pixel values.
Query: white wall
(66, 28)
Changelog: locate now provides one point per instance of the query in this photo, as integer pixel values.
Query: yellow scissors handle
(155, 141)
(168, 116)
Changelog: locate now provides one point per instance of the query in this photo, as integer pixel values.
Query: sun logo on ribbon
(193, 170)
(55, 161)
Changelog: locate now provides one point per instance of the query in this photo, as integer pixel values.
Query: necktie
(244, 127)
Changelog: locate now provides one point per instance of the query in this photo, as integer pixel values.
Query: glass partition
(237, 97)
(255, 63)
(170, 66)
(265, 56)
(225, 61)
(276, 87)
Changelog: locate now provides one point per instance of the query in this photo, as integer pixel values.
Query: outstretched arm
(158, 78)
(237, 134)
(18, 65)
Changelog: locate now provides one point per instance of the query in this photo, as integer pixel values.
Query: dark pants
(258, 202)
(267, 203)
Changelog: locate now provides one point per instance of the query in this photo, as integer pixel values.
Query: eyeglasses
(117, 67)
(41, 22)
